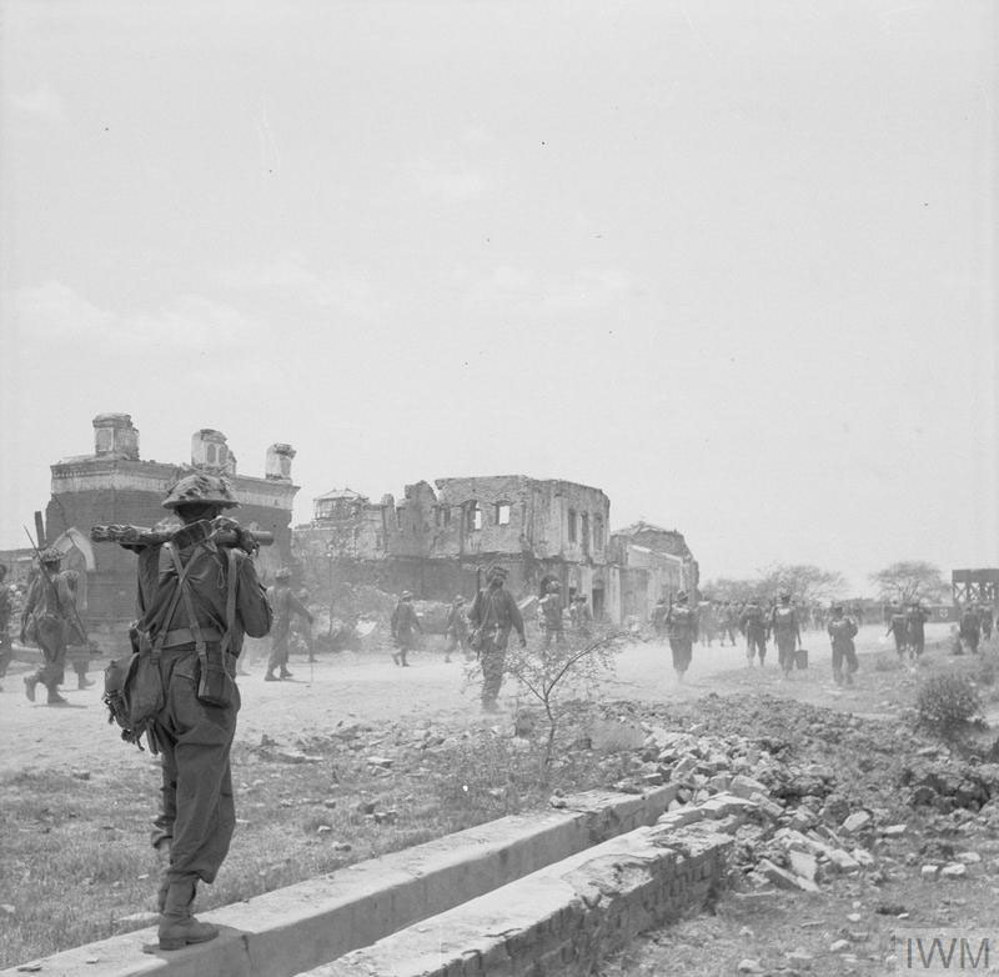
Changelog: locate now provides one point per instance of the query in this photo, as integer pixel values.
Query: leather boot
(30, 681)
(270, 676)
(82, 682)
(54, 699)
(178, 927)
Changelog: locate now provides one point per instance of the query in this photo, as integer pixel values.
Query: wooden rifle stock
(142, 536)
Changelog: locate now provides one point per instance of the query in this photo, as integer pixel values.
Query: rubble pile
(944, 784)
(797, 830)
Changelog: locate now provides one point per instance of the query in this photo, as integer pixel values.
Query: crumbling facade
(436, 540)
(654, 562)
(114, 485)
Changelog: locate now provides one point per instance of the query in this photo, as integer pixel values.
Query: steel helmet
(50, 555)
(200, 488)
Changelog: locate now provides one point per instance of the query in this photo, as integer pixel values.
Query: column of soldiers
(976, 623)
(907, 626)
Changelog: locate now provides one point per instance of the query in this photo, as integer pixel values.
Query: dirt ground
(367, 687)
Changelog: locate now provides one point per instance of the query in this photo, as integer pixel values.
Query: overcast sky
(732, 262)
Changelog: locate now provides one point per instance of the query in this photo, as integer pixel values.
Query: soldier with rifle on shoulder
(48, 620)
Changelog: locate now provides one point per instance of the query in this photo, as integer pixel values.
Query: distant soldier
(49, 620)
(284, 605)
(550, 616)
(405, 624)
(658, 619)
(898, 628)
(580, 616)
(786, 631)
(681, 627)
(915, 621)
(753, 624)
(706, 623)
(842, 630)
(985, 616)
(730, 622)
(493, 615)
(456, 628)
(6, 608)
(970, 628)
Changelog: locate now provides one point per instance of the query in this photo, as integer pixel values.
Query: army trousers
(279, 651)
(197, 814)
(492, 658)
(756, 644)
(785, 651)
(844, 654)
(50, 634)
(683, 651)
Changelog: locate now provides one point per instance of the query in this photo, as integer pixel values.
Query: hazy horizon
(731, 263)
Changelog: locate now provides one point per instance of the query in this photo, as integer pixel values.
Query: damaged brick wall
(114, 485)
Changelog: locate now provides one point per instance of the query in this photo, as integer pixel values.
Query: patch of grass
(76, 856)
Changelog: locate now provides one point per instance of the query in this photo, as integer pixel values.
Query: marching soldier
(284, 604)
(456, 628)
(970, 629)
(6, 609)
(898, 628)
(842, 630)
(753, 625)
(493, 616)
(786, 631)
(915, 626)
(681, 627)
(405, 625)
(49, 620)
(658, 618)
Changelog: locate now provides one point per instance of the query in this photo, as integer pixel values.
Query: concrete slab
(561, 919)
(299, 927)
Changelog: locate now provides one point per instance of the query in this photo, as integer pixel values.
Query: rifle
(55, 590)
(141, 536)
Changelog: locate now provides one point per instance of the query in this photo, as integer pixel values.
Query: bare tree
(730, 589)
(804, 581)
(546, 673)
(910, 580)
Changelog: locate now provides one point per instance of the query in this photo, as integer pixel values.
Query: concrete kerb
(302, 926)
(565, 917)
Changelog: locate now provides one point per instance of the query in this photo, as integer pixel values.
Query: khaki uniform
(48, 620)
(494, 614)
(284, 604)
(787, 633)
(681, 628)
(842, 631)
(197, 813)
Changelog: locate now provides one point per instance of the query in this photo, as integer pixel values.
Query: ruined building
(114, 485)
(655, 562)
(436, 538)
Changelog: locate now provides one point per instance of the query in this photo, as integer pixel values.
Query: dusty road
(369, 688)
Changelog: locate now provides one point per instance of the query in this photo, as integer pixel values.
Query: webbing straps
(168, 617)
(182, 589)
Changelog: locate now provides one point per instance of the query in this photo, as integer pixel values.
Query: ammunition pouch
(133, 691)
